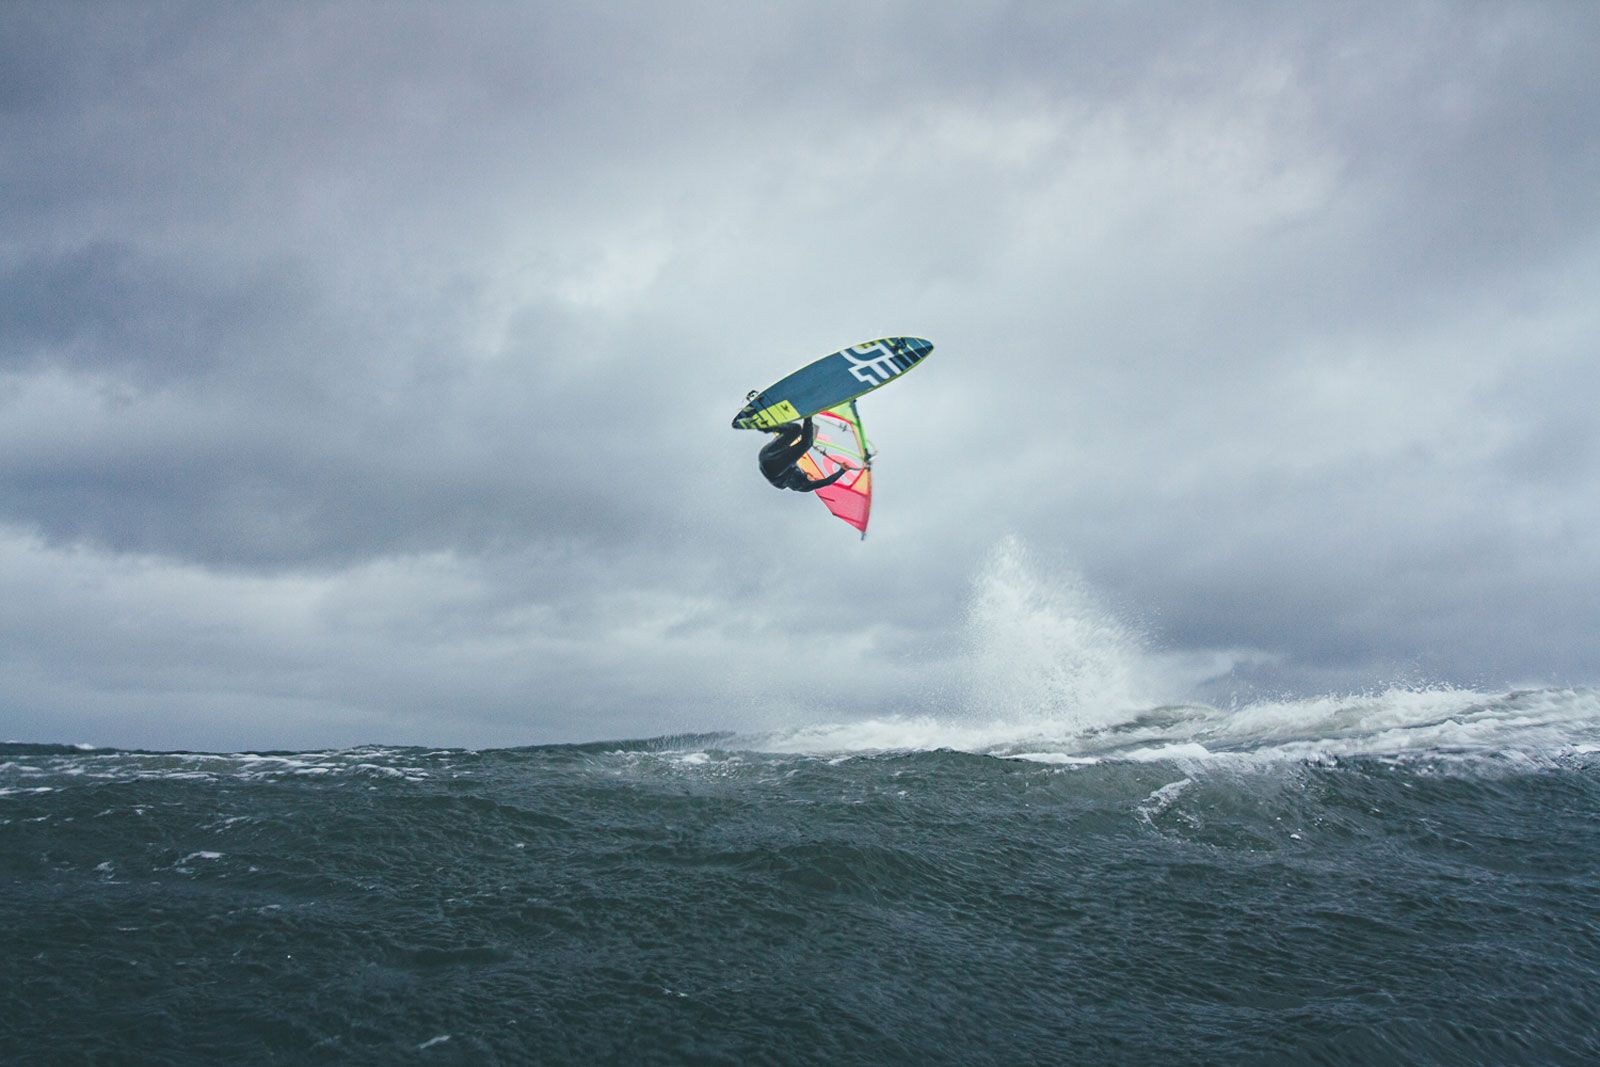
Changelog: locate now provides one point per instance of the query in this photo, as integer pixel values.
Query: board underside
(832, 380)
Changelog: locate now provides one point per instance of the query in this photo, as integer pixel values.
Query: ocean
(1043, 862)
(1409, 876)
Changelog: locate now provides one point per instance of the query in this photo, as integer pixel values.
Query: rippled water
(1406, 877)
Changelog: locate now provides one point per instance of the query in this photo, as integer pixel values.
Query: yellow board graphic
(776, 415)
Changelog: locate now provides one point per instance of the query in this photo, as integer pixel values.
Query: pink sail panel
(841, 442)
(850, 498)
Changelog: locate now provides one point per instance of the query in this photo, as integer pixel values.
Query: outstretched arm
(830, 479)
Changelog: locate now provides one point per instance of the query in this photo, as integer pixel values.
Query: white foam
(1052, 677)
(895, 733)
(1189, 750)
(379, 769)
(1447, 724)
(1054, 757)
(1163, 798)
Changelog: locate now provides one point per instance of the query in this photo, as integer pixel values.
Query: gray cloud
(365, 373)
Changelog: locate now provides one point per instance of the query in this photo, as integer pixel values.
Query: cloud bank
(365, 372)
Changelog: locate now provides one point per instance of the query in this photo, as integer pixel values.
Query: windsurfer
(780, 456)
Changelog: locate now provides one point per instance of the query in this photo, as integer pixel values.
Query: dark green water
(1250, 898)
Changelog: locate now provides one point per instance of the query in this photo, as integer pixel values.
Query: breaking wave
(1052, 675)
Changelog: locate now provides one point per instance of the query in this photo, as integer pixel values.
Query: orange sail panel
(841, 442)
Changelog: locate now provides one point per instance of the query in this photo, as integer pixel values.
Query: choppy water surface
(1407, 877)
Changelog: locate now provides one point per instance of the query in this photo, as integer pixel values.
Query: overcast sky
(366, 370)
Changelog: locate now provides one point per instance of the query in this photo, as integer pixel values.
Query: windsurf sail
(841, 442)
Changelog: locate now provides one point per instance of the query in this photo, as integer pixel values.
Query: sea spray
(1048, 674)
(1041, 659)
(1044, 651)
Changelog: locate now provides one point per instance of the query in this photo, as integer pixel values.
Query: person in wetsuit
(780, 456)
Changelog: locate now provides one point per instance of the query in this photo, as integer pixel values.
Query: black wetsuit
(779, 456)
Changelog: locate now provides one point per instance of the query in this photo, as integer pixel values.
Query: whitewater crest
(1041, 659)
(1047, 651)
(1050, 674)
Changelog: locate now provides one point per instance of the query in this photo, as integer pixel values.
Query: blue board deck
(831, 381)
